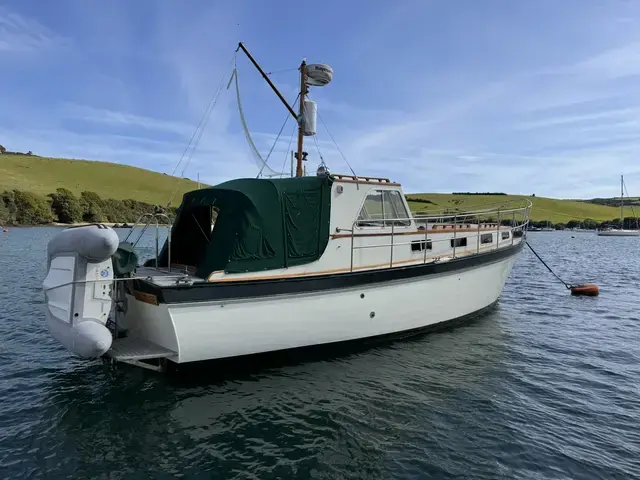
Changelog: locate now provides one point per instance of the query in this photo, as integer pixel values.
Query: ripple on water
(545, 386)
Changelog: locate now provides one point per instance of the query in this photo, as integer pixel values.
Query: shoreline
(58, 224)
(69, 225)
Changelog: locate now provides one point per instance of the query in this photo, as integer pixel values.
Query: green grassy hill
(554, 210)
(43, 175)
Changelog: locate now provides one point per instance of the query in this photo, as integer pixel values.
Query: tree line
(612, 202)
(478, 193)
(630, 223)
(4, 150)
(418, 200)
(18, 207)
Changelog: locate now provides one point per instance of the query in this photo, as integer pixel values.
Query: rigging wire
(336, 144)
(286, 153)
(201, 124)
(631, 205)
(315, 139)
(275, 142)
(283, 71)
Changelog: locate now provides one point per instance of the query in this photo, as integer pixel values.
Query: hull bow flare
(78, 288)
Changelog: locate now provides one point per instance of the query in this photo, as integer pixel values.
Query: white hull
(215, 330)
(619, 233)
(256, 265)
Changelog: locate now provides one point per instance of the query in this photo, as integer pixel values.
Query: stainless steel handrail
(150, 218)
(411, 221)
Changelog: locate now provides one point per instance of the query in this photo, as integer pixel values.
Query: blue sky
(442, 95)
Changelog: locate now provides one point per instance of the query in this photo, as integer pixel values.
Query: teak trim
(367, 182)
(414, 232)
(341, 178)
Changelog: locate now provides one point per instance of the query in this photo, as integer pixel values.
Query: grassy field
(109, 180)
(554, 210)
(43, 175)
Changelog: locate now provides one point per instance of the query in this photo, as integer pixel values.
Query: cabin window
(383, 208)
(420, 245)
(394, 209)
(505, 235)
(486, 238)
(214, 216)
(459, 242)
(371, 213)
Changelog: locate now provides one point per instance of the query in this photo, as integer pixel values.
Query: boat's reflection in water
(216, 408)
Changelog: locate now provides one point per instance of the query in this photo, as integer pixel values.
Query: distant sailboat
(548, 228)
(619, 232)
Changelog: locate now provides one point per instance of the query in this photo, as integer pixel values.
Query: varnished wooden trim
(355, 177)
(149, 298)
(367, 182)
(413, 232)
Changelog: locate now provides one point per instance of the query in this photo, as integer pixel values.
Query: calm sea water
(543, 387)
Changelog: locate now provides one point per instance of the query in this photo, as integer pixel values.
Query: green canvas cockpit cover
(260, 224)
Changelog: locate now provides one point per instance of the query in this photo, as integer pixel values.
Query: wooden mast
(303, 93)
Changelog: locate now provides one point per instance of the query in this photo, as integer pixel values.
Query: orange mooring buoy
(585, 289)
(588, 289)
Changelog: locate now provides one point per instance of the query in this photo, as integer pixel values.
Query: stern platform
(137, 351)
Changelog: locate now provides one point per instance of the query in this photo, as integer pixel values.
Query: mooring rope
(548, 267)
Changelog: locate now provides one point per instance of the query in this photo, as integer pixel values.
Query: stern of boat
(144, 332)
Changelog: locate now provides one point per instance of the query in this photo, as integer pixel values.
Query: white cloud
(592, 117)
(524, 127)
(615, 63)
(20, 35)
(110, 117)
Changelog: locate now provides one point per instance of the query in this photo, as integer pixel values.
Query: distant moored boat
(619, 232)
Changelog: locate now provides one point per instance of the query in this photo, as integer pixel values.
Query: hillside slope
(44, 175)
(554, 210)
